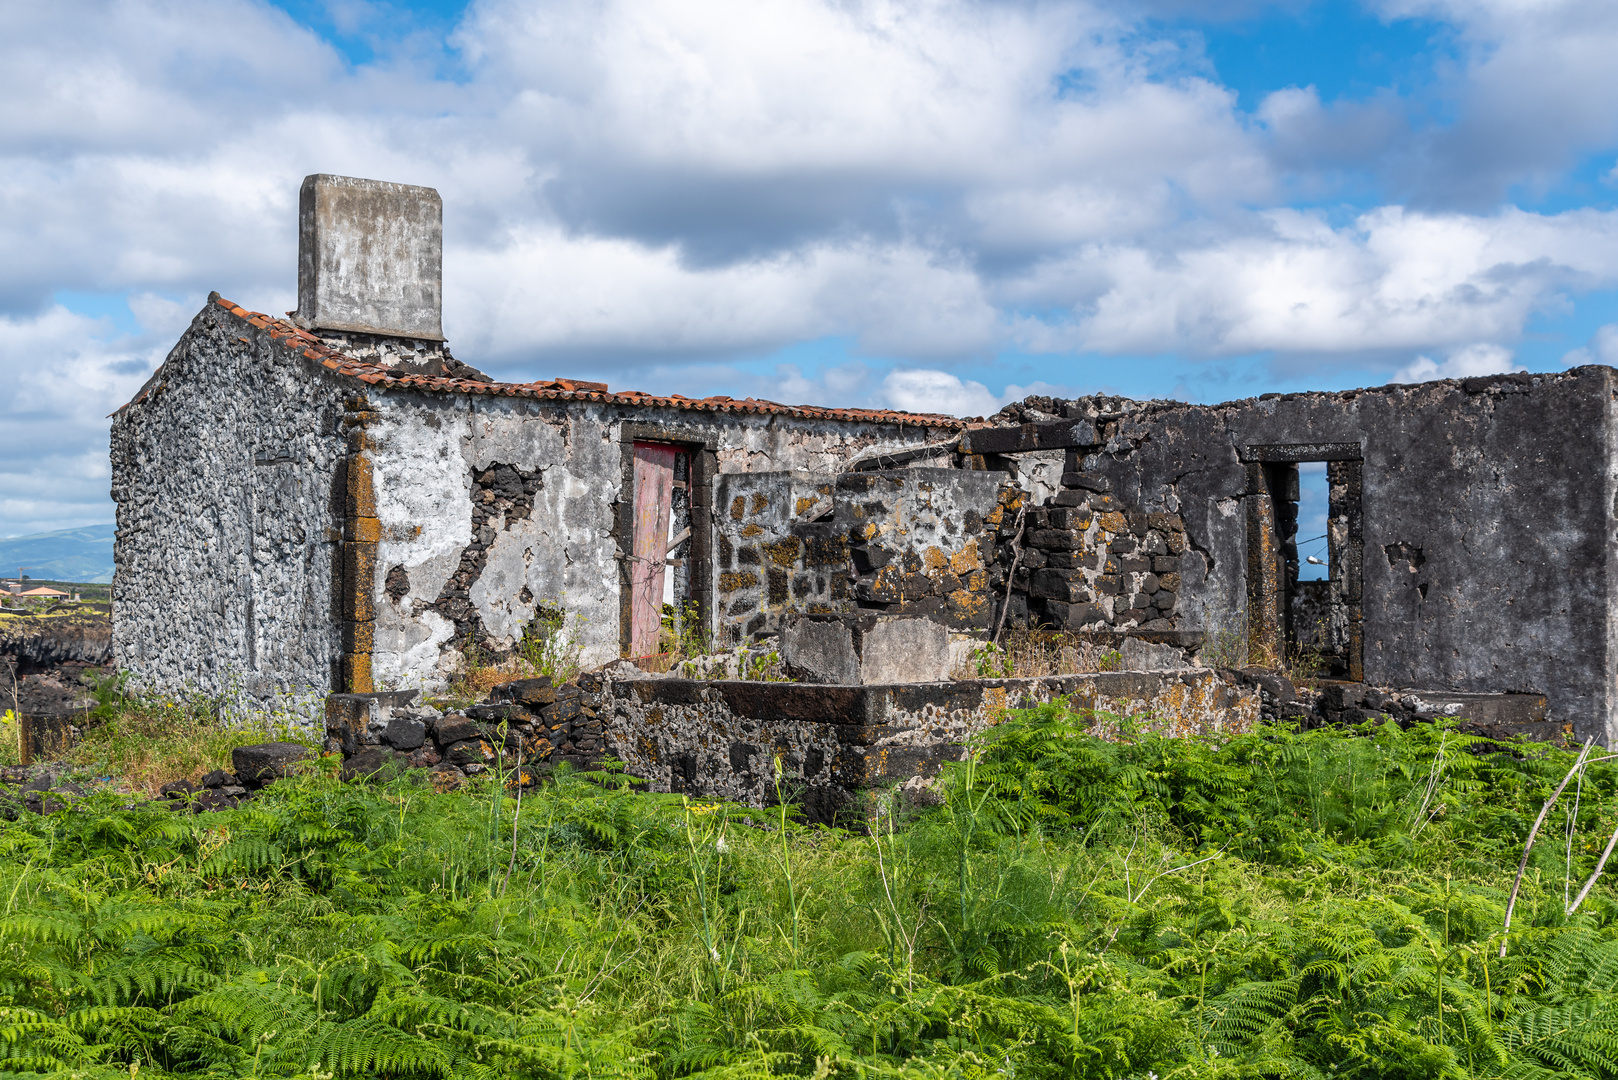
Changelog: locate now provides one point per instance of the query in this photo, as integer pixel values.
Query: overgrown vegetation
(144, 741)
(550, 647)
(1320, 904)
(1032, 654)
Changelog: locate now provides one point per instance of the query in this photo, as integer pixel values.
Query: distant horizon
(54, 532)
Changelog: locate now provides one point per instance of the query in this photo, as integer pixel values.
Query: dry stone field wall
(721, 738)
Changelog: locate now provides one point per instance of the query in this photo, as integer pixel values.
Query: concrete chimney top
(370, 257)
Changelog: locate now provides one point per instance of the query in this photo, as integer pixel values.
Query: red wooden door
(654, 494)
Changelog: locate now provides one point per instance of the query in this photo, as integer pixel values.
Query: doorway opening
(660, 593)
(1304, 558)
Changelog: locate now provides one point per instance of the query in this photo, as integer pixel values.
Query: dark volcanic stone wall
(1487, 509)
(224, 471)
(915, 541)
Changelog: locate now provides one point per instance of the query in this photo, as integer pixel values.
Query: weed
(1224, 649)
(147, 740)
(550, 646)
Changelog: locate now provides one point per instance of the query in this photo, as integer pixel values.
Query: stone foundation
(720, 739)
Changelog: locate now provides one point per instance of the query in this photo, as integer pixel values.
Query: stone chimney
(370, 257)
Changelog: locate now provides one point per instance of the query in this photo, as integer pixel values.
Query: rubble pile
(528, 722)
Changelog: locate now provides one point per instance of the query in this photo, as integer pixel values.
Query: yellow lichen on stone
(738, 507)
(934, 559)
(731, 580)
(783, 552)
(761, 502)
(752, 530)
(1114, 522)
(965, 560)
(967, 603)
(994, 703)
(805, 504)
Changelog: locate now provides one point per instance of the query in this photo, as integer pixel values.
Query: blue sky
(927, 204)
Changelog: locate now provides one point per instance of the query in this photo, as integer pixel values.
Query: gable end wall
(223, 477)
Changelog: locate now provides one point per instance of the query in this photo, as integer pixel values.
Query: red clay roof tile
(314, 348)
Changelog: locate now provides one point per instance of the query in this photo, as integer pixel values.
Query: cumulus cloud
(1602, 348)
(1482, 358)
(1532, 94)
(669, 192)
(1291, 282)
(929, 390)
(54, 471)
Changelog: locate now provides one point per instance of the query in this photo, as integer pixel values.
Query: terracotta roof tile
(313, 348)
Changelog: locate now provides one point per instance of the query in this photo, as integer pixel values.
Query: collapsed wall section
(1470, 525)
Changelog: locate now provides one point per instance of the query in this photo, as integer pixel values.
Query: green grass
(1280, 905)
(141, 741)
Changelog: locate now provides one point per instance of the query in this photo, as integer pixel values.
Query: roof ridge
(558, 389)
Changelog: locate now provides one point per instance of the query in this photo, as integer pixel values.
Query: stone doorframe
(1271, 543)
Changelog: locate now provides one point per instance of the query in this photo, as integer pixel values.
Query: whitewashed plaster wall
(430, 447)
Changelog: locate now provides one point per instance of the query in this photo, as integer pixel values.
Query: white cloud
(667, 189)
(1477, 359)
(1602, 348)
(54, 470)
(928, 390)
(1292, 283)
(937, 392)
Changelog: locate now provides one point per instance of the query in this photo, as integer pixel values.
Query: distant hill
(65, 555)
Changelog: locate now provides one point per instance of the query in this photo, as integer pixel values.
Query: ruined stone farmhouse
(331, 500)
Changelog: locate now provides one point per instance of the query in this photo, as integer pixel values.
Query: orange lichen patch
(805, 504)
(966, 560)
(732, 580)
(783, 552)
(967, 603)
(994, 703)
(761, 502)
(305, 344)
(738, 507)
(752, 530)
(1114, 522)
(934, 559)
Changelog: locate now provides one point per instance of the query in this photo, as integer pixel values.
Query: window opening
(1314, 497)
(1304, 526)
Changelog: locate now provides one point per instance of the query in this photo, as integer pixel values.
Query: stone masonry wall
(223, 474)
(1485, 545)
(465, 556)
(1091, 563)
(916, 541)
(720, 739)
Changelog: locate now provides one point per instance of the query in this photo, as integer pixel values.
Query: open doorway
(660, 571)
(1304, 541)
